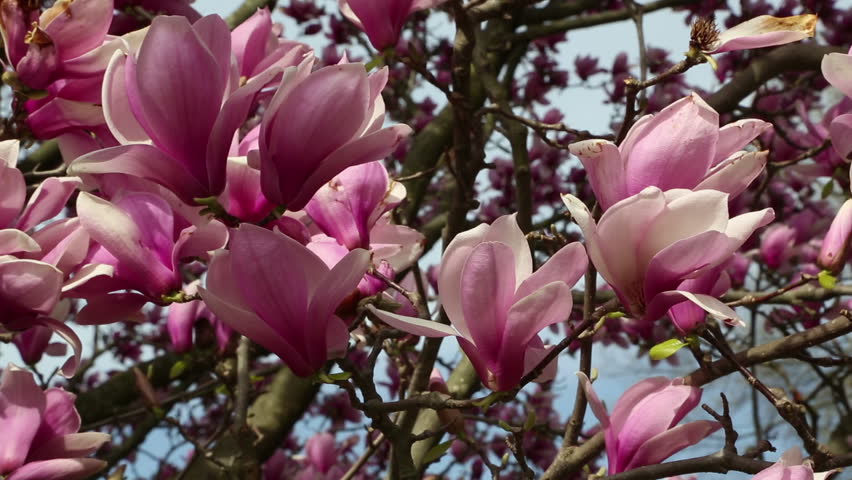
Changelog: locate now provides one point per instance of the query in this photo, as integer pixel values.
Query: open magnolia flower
(680, 147)
(382, 20)
(650, 246)
(643, 428)
(496, 304)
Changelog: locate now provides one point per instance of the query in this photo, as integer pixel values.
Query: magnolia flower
(182, 317)
(496, 304)
(275, 291)
(791, 467)
(680, 147)
(348, 206)
(139, 241)
(257, 46)
(776, 245)
(835, 245)
(40, 432)
(382, 20)
(174, 105)
(837, 69)
(762, 31)
(643, 428)
(649, 246)
(323, 461)
(40, 47)
(292, 169)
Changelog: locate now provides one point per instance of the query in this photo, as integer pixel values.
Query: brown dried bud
(704, 34)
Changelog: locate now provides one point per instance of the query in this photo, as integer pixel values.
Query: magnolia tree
(227, 252)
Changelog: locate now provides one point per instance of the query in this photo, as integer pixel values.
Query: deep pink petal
(487, 288)
(112, 308)
(143, 161)
(666, 444)
(72, 445)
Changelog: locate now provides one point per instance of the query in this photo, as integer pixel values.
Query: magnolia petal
(412, 325)
(766, 31)
(112, 308)
(59, 469)
(70, 446)
(70, 366)
(837, 69)
(595, 402)
(48, 201)
(567, 265)
(736, 174)
(22, 403)
(666, 444)
(733, 137)
(605, 169)
(709, 304)
(841, 134)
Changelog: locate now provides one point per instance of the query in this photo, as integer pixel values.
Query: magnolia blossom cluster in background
(235, 176)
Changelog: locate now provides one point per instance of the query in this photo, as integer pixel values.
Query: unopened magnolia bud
(835, 246)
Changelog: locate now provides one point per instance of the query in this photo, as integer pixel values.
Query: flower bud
(835, 246)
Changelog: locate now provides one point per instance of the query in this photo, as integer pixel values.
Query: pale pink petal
(841, 134)
(22, 403)
(598, 408)
(16, 241)
(733, 137)
(449, 278)
(766, 31)
(14, 189)
(605, 169)
(506, 230)
(28, 286)
(736, 174)
(567, 265)
(48, 201)
(118, 114)
(837, 69)
(77, 27)
(412, 325)
(487, 288)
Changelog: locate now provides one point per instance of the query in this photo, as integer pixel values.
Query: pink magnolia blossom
(759, 32)
(643, 428)
(40, 47)
(257, 46)
(139, 241)
(174, 106)
(835, 245)
(40, 432)
(791, 467)
(348, 206)
(680, 147)
(276, 292)
(837, 69)
(323, 462)
(182, 317)
(649, 247)
(496, 304)
(382, 20)
(292, 169)
(776, 245)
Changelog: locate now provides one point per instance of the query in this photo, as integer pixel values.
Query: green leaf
(177, 369)
(436, 452)
(505, 426)
(666, 349)
(530, 423)
(827, 189)
(826, 279)
(339, 377)
(615, 315)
